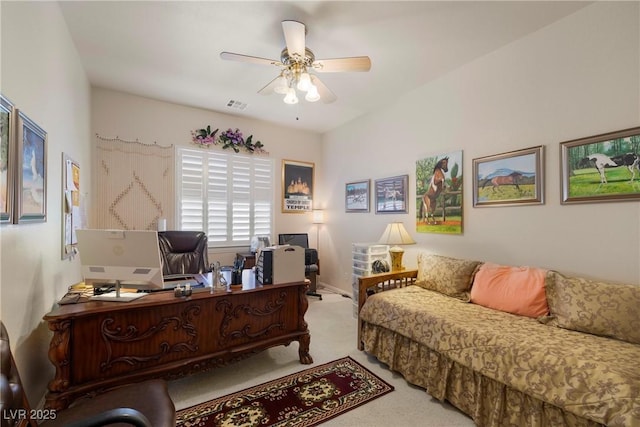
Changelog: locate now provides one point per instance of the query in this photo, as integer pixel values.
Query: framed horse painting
(439, 194)
(601, 168)
(391, 194)
(509, 179)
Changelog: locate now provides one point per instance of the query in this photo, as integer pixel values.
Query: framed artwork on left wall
(31, 183)
(7, 160)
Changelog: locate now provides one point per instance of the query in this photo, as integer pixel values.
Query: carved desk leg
(305, 340)
(59, 356)
(303, 352)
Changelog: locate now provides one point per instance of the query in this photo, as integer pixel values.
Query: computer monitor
(127, 258)
(297, 239)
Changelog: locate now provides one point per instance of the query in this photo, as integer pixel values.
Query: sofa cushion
(449, 276)
(517, 290)
(599, 308)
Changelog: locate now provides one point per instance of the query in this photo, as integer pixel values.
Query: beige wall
(42, 75)
(575, 78)
(132, 117)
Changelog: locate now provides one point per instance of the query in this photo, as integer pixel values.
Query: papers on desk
(124, 296)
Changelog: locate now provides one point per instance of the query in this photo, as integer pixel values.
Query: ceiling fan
(296, 62)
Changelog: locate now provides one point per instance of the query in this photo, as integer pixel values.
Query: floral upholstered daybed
(509, 346)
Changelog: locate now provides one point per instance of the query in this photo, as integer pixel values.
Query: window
(228, 196)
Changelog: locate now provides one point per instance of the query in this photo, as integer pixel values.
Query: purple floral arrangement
(230, 138)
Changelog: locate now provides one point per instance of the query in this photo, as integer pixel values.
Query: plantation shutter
(229, 196)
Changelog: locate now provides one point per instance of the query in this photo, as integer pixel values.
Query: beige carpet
(333, 335)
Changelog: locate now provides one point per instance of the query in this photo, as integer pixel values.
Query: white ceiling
(169, 50)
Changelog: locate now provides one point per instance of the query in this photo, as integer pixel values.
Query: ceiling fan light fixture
(304, 82)
(312, 94)
(291, 98)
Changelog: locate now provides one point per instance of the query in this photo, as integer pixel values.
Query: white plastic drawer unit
(370, 249)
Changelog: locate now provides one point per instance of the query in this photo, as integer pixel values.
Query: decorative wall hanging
(509, 179)
(230, 138)
(7, 159)
(31, 184)
(391, 195)
(439, 194)
(297, 186)
(356, 196)
(135, 184)
(601, 168)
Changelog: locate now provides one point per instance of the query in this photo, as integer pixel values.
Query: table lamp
(395, 234)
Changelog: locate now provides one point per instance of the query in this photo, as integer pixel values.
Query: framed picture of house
(297, 186)
(601, 168)
(514, 178)
(391, 195)
(439, 198)
(356, 196)
(7, 160)
(31, 185)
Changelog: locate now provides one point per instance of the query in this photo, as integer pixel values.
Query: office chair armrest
(118, 415)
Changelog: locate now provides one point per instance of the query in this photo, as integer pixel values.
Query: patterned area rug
(306, 398)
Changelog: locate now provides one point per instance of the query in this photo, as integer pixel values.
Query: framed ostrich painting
(601, 168)
(31, 183)
(509, 179)
(439, 194)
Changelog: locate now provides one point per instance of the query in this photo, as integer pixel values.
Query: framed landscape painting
(601, 168)
(297, 186)
(31, 182)
(7, 160)
(391, 194)
(509, 179)
(356, 196)
(439, 194)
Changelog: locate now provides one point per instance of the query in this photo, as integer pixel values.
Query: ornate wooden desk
(97, 345)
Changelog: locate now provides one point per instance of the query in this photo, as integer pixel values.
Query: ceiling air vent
(237, 105)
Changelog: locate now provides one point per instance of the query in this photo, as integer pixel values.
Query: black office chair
(311, 263)
(183, 252)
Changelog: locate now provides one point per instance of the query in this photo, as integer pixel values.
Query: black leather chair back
(183, 252)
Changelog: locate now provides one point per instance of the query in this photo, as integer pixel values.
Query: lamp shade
(396, 234)
(318, 216)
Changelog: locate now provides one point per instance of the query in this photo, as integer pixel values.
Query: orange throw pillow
(517, 290)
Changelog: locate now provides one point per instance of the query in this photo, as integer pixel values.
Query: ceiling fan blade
(294, 36)
(246, 58)
(326, 95)
(268, 89)
(356, 63)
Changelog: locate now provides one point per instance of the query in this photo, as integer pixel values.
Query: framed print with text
(297, 186)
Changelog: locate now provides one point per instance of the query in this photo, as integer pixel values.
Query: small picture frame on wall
(7, 160)
(601, 168)
(391, 195)
(514, 178)
(356, 196)
(31, 185)
(297, 186)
